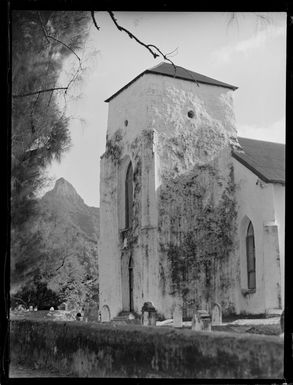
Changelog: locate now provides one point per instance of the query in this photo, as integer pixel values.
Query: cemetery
(204, 347)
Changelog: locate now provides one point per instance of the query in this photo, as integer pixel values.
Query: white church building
(190, 214)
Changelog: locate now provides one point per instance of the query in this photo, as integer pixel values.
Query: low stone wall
(106, 350)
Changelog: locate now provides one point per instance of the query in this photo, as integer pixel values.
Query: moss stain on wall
(197, 221)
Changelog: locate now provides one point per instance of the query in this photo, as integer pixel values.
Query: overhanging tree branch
(53, 38)
(94, 20)
(150, 47)
(40, 92)
(122, 29)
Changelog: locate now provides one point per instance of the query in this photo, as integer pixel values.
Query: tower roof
(166, 69)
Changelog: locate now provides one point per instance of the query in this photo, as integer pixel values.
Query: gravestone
(201, 321)
(177, 317)
(196, 324)
(92, 312)
(149, 314)
(217, 314)
(62, 306)
(145, 318)
(105, 314)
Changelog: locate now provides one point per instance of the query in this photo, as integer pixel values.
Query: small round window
(190, 114)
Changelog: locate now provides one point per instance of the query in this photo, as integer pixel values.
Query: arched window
(250, 253)
(128, 196)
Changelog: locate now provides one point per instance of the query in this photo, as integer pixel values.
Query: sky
(249, 52)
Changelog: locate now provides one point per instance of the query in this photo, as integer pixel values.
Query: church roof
(166, 69)
(265, 159)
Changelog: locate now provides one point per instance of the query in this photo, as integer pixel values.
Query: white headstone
(105, 314)
(197, 323)
(216, 314)
(51, 308)
(131, 316)
(177, 317)
(145, 318)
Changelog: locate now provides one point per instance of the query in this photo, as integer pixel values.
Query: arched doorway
(130, 277)
(127, 281)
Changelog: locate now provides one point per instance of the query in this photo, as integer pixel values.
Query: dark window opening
(250, 253)
(129, 197)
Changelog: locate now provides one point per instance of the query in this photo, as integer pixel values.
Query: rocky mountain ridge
(60, 245)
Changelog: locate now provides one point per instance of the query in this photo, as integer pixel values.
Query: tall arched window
(250, 253)
(128, 196)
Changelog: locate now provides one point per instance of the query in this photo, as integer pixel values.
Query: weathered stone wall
(99, 350)
(129, 139)
(197, 229)
(279, 203)
(194, 133)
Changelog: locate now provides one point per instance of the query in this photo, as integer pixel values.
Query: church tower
(166, 167)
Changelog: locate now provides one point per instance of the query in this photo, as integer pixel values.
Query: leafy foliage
(37, 294)
(194, 255)
(39, 128)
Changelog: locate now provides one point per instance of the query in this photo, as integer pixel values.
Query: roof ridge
(168, 71)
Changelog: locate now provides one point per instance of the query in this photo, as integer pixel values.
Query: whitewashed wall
(258, 203)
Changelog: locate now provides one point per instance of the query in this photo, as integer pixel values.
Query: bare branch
(147, 46)
(50, 98)
(53, 38)
(62, 264)
(40, 92)
(175, 52)
(94, 20)
(65, 45)
(150, 47)
(42, 26)
(52, 89)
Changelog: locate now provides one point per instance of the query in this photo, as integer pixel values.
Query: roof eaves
(123, 88)
(251, 168)
(193, 80)
(149, 71)
(256, 172)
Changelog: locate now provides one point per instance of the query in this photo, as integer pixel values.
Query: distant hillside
(60, 245)
(65, 202)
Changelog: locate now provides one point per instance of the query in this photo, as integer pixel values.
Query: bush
(38, 295)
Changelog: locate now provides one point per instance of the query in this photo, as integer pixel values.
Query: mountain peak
(65, 189)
